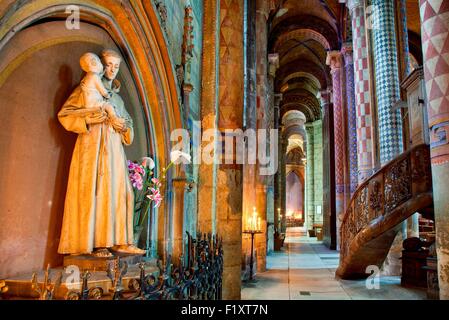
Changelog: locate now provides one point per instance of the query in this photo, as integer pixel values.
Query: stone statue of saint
(99, 204)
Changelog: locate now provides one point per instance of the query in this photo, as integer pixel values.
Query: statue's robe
(99, 202)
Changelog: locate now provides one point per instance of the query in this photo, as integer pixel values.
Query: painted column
(250, 169)
(271, 186)
(434, 32)
(261, 37)
(352, 118)
(365, 159)
(310, 177)
(387, 80)
(388, 93)
(207, 171)
(277, 176)
(229, 176)
(334, 59)
(403, 48)
(282, 168)
(329, 223)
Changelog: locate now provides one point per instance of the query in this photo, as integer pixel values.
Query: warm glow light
(253, 222)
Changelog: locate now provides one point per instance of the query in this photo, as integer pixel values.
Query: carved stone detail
(162, 10)
(362, 211)
(386, 191)
(397, 185)
(375, 198)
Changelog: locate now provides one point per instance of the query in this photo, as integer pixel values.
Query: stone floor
(305, 270)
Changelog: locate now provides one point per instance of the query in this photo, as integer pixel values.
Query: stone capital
(354, 4)
(324, 96)
(187, 87)
(334, 59)
(273, 62)
(277, 99)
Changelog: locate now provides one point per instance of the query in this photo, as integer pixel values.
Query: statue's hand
(119, 124)
(94, 118)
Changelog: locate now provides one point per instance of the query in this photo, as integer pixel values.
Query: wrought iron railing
(198, 277)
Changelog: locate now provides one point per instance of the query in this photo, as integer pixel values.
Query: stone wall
(174, 37)
(39, 68)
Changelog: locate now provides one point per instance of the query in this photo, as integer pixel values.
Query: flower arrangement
(147, 187)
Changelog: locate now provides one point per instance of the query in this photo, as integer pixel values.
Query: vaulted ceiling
(301, 33)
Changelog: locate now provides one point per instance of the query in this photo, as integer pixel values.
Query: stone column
(387, 80)
(250, 169)
(283, 179)
(310, 177)
(277, 177)
(229, 176)
(190, 199)
(329, 223)
(334, 59)
(365, 159)
(207, 171)
(352, 118)
(388, 93)
(261, 37)
(318, 170)
(271, 207)
(403, 48)
(178, 218)
(434, 31)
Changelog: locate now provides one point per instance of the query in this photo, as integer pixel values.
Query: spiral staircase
(379, 205)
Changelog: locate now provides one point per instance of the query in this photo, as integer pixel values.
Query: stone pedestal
(19, 287)
(87, 262)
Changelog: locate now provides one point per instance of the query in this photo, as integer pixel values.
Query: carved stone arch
(303, 101)
(141, 42)
(295, 156)
(301, 33)
(300, 74)
(305, 66)
(300, 22)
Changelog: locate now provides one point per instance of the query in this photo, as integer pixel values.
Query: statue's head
(90, 62)
(111, 61)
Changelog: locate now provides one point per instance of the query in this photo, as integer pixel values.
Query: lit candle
(254, 218)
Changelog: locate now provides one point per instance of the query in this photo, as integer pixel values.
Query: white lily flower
(177, 156)
(147, 162)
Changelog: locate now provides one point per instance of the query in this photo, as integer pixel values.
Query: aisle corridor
(305, 269)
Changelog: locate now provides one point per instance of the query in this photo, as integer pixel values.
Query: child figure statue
(95, 94)
(99, 204)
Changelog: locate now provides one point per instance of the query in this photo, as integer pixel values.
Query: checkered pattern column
(435, 40)
(363, 112)
(387, 80)
(352, 117)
